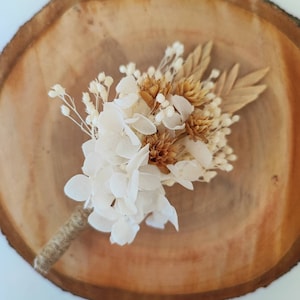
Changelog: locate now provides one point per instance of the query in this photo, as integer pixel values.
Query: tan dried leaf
(219, 85)
(238, 92)
(196, 63)
(230, 80)
(252, 78)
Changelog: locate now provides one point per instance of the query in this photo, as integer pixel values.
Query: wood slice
(237, 233)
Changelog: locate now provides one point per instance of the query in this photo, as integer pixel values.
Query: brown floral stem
(62, 240)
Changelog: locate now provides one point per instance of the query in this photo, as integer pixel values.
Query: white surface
(18, 281)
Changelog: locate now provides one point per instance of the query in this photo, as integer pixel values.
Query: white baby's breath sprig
(69, 108)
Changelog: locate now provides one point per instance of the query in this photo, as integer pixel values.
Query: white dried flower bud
(158, 75)
(227, 167)
(57, 90)
(178, 63)
(88, 120)
(101, 76)
(93, 87)
(160, 116)
(89, 108)
(102, 91)
(209, 175)
(228, 150)
(218, 100)
(122, 69)
(151, 71)
(169, 52)
(168, 76)
(221, 155)
(95, 120)
(178, 47)
(226, 130)
(165, 104)
(137, 73)
(170, 111)
(160, 98)
(222, 142)
(217, 111)
(208, 85)
(86, 98)
(108, 81)
(211, 96)
(130, 68)
(232, 157)
(52, 94)
(226, 122)
(65, 110)
(215, 73)
(235, 118)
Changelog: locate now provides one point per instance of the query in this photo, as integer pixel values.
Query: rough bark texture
(237, 233)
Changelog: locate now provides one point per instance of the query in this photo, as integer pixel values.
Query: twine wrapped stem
(61, 241)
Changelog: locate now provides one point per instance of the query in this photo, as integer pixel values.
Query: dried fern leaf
(230, 80)
(204, 62)
(252, 78)
(243, 91)
(219, 85)
(196, 63)
(235, 103)
(248, 90)
(192, 61)
(240, 97)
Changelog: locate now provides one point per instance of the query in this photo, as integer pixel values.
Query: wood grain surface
(237, 233)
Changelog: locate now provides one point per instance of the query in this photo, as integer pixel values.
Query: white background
(18, 281)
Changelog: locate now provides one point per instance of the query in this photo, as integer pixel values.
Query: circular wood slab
(237, 233)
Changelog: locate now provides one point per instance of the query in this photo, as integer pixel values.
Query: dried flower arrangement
(164, 126)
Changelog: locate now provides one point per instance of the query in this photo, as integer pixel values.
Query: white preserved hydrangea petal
(92, 163)
(174, 122)
(110, 119)
(162, 213)
(165, 208)
(142, 124)
(183, 106)
(127, 101)
(144, 204)
(184, 182)
(118, 185)
(102, 203)
(146, 200)
(88, 147)
(106, 146)
(185, 172)
(148, 182)
(157, 220)
(100, 223)
(153, 170)
(190, 169)
(126, 207)
(126, 149)
(102, 197)
(133, 137)
(138, 160)
(200, 152)
(142, 108)
(123, 232)
(78, 188)
(133, 186)
(127, 85)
